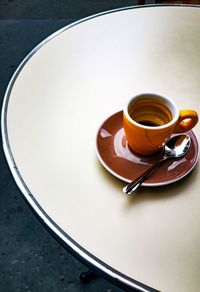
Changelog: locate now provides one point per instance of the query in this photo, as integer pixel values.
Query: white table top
(52, 110)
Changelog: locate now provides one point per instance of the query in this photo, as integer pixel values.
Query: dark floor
(30, 259)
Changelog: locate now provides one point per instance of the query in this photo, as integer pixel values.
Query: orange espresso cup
(150, 119)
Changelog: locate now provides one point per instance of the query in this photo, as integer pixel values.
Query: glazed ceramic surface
(117, 157)
(52, 110)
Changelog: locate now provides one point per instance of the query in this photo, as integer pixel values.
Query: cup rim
(161, 96)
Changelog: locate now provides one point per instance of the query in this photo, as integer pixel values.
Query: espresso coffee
(150, 112)
(147, 123)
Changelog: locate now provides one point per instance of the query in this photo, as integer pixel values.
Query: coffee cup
(150, 119)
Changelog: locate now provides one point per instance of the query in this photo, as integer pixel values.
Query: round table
(54, 104)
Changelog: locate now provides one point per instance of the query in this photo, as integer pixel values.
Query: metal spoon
(176, 147)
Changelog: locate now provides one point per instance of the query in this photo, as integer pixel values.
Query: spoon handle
(132, 186)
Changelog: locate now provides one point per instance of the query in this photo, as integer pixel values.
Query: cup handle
(187, 120)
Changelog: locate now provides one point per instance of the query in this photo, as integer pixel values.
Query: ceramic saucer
(116, 156)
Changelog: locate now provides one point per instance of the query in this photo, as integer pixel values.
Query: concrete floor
(30, 258)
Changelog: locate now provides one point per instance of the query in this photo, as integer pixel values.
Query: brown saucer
(116, 156)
